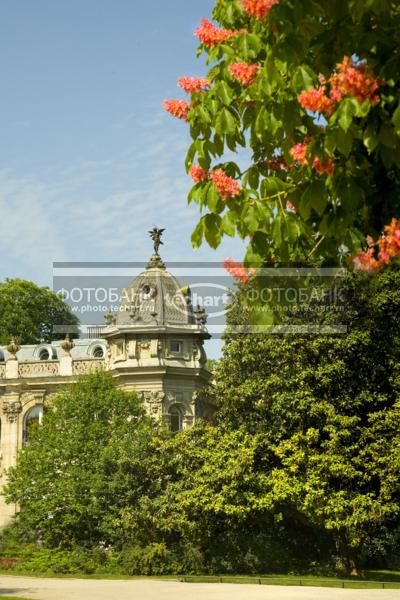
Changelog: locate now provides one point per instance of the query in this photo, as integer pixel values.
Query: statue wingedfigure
(155, 235)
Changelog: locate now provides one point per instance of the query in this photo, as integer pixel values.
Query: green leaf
(198, 233)
(229, 223)
(350, 194)
(224, 92)
(338, 139)
(253, 177)
(248, 117)
(212, 230)
(346, 112)
(396, 119)
(190, 155)
(314, 196)
(292, 230)
(251, 217)
(269, 78)
(363, 109)
(203, 155)
(303, 78)
(203, 115)
(249, 45)
(387, 156)
(253, 258)
(213, 199)
(387, 136)
(271, 186)
(195, 193)
(370, 138)
(277, 230)
(225, 122)
(260, 123)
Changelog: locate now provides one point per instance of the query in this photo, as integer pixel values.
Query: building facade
(154, 345)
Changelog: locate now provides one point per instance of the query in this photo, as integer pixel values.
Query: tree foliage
(326, 410)
(333, 162)
(32, 313)
(65, 482)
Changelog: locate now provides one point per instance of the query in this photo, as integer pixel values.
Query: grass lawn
(371, 580)
(11, 597)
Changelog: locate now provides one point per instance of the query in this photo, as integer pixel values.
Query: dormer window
(98, 352)
(44, 354)
(175, 347)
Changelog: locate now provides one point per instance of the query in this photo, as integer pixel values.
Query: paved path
(150, 589)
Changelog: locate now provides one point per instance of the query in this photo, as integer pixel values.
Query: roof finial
(155, 235)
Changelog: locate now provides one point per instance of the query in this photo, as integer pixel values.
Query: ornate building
(153, 344)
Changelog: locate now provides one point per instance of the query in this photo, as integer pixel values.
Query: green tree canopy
(65, 481)
(303, 461)
(327, 410)
(310, 90)
(32, 313)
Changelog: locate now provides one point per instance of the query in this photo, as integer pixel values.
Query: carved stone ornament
(67, 345)
(12, 408)
(110, 319)
(34, 397)
(145, 344)
(200, 316)
(13, 348)
(154, 401)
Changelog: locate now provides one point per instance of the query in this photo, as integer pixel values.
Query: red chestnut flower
(238, 271)
(177, 108)
(198, 174)
(193, 84)
(258, 8)
(352, 79)
(211, 36)
(365, 261)
(244, 73)
(327, 167)
(316, 101)
(226, 186)
(389, 243)
(299, 154)
(389, 247)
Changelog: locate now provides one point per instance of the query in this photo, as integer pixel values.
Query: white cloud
(102, 207)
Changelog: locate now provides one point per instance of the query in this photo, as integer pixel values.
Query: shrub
(154, 559)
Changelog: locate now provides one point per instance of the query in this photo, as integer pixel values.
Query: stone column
(65, 365)
(11, 371)
(11, 408)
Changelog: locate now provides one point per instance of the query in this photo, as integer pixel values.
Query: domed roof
(155, 298)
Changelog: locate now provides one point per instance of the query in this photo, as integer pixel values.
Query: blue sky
(89, 159)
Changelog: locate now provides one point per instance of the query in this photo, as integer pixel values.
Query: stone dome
(155, 298)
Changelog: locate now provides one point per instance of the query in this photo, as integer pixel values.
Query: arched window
(176, 418)
(98, 352)
(33, 418)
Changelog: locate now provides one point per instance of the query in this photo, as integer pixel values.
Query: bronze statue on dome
(155, 235)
